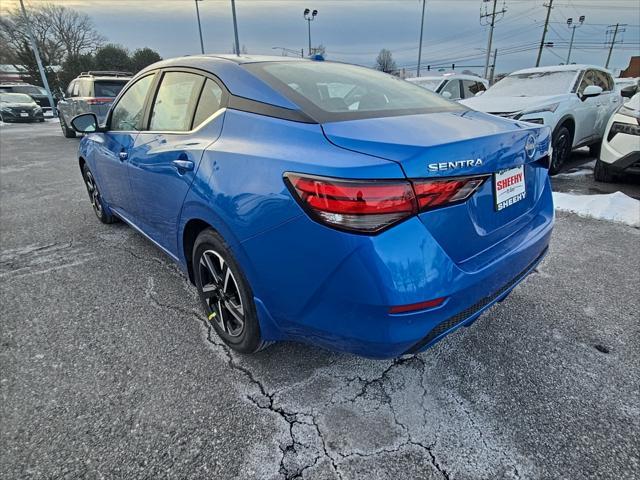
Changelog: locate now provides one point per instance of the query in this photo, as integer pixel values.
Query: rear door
(112, 154)
(185, 118)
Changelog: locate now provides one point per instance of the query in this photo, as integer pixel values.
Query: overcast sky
(355, 30)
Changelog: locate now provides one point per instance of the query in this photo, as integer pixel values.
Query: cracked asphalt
(108, 369)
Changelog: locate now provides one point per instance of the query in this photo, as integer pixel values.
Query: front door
(112, 152)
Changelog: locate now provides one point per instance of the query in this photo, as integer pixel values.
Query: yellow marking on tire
(213, 314)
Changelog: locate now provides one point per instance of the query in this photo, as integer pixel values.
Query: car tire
(66, 131)
(594, 149)
(41, 120)
(100, 208)
(225, 294)
(561, 142)
(602, 173)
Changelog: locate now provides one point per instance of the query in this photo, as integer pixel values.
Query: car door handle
(183, 165)
(123, 156)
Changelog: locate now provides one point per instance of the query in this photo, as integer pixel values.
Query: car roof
(560, 68)
(240, 81)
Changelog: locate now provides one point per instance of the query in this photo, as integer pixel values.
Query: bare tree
(59, 32)
(385, 62)
(73, 30)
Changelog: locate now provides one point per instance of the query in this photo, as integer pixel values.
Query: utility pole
(491, 24)
(616, 30)
(493, 68)
(573, 27)
(544, 32)
(309, 16)
(235, 26)
(199, 27)
(36, 53)
(424, 4)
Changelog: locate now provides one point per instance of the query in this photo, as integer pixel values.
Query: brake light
(99, 100)
(436, 193)
(370, 206)
(359, 205)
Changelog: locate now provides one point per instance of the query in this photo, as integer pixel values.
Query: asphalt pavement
(108, 369)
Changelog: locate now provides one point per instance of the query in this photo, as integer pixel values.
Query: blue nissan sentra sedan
(322, 202)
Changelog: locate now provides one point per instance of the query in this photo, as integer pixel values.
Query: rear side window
(333, 91)
(105, 88)
(175, 102)
(128, 113)
(209, 103)
(84, 88)
(70, 89)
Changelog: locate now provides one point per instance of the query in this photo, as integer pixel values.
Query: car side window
(209, 103)
(588, 79)
(602, 80)
(470, 88)
(84, 88)
(453, 87)
(175, 102)
(129, 111)
(70, 89)
(480, 86)
(76, 88)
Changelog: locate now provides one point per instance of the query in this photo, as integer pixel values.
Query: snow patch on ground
(585, 169)
(615, 207)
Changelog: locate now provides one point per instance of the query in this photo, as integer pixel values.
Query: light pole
(310, 16)
(199, 26)
(573, 27)
(424, 4)
(235, 26)
(36, 53)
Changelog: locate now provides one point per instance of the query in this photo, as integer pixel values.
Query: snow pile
(615, 207)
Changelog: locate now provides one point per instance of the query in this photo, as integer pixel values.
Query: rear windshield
(330, 92)
(108, 88)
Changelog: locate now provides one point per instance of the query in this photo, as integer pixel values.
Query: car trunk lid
(442, 145)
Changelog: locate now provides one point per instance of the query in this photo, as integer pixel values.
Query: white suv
(620, 151)
(453, 86)
(576, 101)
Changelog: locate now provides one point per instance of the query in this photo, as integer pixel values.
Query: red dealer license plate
(508, 187)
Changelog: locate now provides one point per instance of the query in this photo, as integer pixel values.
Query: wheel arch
(569, 122)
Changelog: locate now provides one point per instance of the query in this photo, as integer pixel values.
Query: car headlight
(5, 109)
(552, 107)
(37, 110)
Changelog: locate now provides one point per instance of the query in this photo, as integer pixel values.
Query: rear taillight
(370, 206)
(98, 100)
(359, 205)
(436, 193)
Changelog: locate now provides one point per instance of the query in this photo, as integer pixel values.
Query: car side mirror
(629, 91)
(85, 123)
(591, 91)
(446, 95)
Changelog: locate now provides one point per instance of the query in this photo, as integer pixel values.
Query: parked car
(576, 101)
(628, 84)
(38, 94)
(374, 226)
(620, 152)
(90, 92)
(19, 107)
(453, 86)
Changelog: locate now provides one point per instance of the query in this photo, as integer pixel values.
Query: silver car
(90, 92)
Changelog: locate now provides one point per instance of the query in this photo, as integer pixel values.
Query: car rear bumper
(337, 290)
